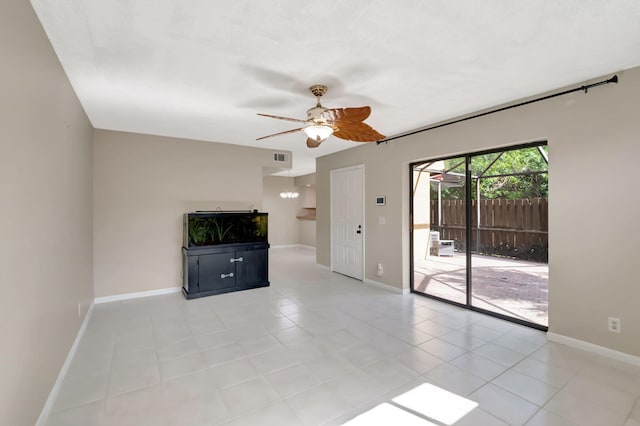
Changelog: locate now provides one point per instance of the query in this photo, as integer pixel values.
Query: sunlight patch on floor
(416, 407)
(387, 414)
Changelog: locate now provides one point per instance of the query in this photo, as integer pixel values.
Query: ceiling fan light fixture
(343, 123)
(318, 132)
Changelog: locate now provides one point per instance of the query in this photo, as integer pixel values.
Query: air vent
(280, 157)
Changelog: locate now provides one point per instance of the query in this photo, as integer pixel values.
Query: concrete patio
(510, 287)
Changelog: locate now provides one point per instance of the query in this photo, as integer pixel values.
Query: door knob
(359, 231)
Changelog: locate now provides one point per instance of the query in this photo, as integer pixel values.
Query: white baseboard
(372, 282)
(387, 286)
(593, 348)
(48, 405)
(116, 297)
(291, 246)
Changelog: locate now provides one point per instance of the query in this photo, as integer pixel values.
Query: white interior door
(347, 221)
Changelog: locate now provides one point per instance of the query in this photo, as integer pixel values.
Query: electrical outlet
(614, 325)
(79, 310)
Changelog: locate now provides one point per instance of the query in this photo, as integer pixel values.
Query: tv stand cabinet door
(254, 268)
(216, 272)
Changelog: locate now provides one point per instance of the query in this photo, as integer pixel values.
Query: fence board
(514, 228)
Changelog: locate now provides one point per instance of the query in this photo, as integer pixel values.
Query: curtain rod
(586, 88)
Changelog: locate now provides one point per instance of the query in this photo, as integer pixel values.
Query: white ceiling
(202, 69)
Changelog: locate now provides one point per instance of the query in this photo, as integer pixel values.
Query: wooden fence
(513, 228)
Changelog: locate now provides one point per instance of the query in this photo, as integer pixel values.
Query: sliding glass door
(479, 232)
(439, 214)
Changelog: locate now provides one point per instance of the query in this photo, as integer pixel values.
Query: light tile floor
(318, 348)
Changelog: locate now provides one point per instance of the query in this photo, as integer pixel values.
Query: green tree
(510, 175)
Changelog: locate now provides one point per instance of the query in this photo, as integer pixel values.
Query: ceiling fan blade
(312, 143)
(281, 133)
(283, 118)
(356, 132)
(349, 114)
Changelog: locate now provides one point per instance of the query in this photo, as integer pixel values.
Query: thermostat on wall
(381, 200)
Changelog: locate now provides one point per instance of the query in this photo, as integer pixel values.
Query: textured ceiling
(202, 69)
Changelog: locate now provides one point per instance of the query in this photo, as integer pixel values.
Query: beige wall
(307, 186)
(594, 150)
(142, 186)
(284, 228)
(283, 225)
(304, 180)
(307, 233)
(45, 215)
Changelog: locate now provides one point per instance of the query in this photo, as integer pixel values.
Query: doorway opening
(479, 235)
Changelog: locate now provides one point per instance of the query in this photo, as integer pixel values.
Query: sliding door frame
(468, 232)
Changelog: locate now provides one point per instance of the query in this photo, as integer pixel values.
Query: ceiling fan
(321, 122)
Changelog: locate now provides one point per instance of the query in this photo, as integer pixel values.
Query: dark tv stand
(224, 268)
(224, 252)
